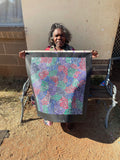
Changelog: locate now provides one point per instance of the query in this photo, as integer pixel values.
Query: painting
(60, 83)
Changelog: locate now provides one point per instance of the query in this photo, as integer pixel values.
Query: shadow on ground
(93, 127)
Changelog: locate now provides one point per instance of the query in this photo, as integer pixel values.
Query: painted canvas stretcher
(60, 83)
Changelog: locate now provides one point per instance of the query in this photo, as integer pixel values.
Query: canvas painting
(60, 83)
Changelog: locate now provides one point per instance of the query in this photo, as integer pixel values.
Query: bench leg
(107, 116)
(23, 100)
(22, 110)
(108, 113)
(114, 102)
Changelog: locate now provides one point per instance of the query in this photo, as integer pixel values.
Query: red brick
(1, 48)
(21, 61)
(12, 33)
(8, 60)
(11, 71)
(15, 47)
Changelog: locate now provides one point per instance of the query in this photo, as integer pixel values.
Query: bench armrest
(111, 88)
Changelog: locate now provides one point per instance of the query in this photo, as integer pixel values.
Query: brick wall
(12, 40)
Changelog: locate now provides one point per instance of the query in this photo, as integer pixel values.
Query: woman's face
(59, 38)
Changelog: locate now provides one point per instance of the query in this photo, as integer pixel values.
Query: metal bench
(107, 92)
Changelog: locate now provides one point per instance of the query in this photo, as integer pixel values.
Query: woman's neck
(58, 48)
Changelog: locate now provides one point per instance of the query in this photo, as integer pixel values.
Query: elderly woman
(59, 38)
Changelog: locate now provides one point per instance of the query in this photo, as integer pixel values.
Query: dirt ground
(32, 140)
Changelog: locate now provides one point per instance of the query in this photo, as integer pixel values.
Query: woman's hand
(22, 54)
(94, 54)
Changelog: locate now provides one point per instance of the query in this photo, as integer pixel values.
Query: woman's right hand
(22, 54)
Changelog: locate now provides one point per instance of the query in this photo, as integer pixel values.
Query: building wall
(93, 24)
(12, 40)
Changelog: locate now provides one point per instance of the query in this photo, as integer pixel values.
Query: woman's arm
(22, 54)
(94, 54)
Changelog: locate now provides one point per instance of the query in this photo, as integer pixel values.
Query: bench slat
(99, 92)
(99, 66)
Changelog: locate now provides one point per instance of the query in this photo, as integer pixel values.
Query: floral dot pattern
(59, 84)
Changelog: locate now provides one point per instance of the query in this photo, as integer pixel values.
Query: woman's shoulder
(68, 47)
(48, 48)
(72, 48)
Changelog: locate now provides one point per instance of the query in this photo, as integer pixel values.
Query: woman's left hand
(94, 54)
